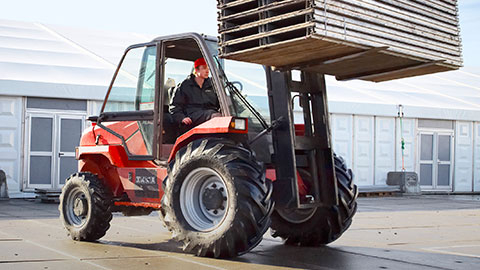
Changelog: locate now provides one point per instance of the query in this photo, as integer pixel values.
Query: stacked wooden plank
(373, 40)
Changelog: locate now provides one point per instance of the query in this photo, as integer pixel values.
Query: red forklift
(222, 184)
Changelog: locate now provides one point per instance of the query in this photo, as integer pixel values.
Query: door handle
(60, 154)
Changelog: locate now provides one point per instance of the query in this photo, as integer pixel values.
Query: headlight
(239, 124)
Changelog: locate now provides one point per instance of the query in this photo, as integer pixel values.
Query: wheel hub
(204, 199)
(213, 199)
(80, 207)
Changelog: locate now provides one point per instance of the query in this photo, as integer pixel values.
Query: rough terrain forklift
(221, 185)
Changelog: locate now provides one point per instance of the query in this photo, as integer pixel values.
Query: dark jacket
(189, 100)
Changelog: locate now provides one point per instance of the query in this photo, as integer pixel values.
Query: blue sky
(174, 16)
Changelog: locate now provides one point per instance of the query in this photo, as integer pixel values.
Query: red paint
(217, 125)
(299, 130)
(136, 145)
(146, 205)
(124, 128)
(108, 159)
(105, 162)
(302, 188)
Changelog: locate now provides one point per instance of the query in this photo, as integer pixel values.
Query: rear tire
(85, 207)
(319, 226)
(217, 201)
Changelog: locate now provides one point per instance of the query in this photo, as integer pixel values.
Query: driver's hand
(187, 121)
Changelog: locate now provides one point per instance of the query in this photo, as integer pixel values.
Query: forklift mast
(290, 147)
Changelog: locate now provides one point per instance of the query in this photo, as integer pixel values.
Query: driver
(194, 101)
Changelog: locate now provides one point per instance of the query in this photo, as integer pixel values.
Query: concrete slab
(17, 251)
(426, 232)
(51, 265)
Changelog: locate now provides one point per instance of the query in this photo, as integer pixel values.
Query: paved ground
(427, 232)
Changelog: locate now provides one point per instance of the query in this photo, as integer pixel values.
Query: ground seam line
(59, 252)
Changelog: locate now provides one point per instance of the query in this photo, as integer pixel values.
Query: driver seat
(169, 127)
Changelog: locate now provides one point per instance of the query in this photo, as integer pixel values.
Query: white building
(441, 129)
(52, 78)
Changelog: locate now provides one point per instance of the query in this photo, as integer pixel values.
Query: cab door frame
(136, 115)
(201, 41)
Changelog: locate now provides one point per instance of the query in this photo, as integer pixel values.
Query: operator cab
(143, 85)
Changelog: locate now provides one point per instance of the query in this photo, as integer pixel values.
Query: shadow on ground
(274, 253)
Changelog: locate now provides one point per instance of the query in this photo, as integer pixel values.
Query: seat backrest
(167, 92)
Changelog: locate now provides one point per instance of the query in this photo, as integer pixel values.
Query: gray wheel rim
(76, 208)
(192, 205)
(296, 216)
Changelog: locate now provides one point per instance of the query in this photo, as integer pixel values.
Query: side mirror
(238, 85)
(93, 118)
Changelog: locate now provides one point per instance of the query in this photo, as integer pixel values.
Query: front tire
(85, 207)
(321, 225)
(217, 201)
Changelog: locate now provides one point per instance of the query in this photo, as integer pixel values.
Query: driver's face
(203, 72)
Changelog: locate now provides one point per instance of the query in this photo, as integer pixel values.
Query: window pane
(147, 91)
(40, 170)
(134, 86)
(70, 134)
(176, 71)
(138, 136)
(41, 134)
(444, 147)
(425, 174)
(251, 80)
(429, 123)
(57, 103)
(426, 147)
(443, 175)
(68, 165)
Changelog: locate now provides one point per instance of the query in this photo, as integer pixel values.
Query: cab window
(133, 92)
(134, 86)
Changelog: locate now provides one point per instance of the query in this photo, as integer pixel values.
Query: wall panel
(476, 156)
(342, 140)
(384, 148)
(463, 156)
(10, 142)
(409, 135)
(363, 150)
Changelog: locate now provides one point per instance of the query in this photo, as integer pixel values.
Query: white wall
(409, 135)
(363, 150)
(463, 156)
(372, 147)
(342, 137)
(476, 159)
(384, 148)
(11, 109)
(93, 108)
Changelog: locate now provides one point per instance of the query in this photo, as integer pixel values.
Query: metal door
(436, 160)
(69, 132)
(50, 149)
(40, 150)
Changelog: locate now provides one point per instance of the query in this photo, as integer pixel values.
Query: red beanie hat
(200, 62)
